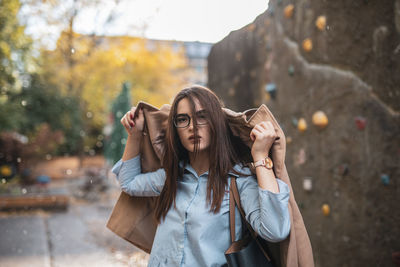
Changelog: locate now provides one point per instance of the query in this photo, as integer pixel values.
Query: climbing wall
(330, 73)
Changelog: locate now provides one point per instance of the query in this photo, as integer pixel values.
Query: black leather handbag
(251, 250)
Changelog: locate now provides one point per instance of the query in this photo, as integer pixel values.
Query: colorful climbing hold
(289, 140)
(385, 179)
(307, 184)
(288, 11)
(302, 125)
(300, 157)
(360, 122)
(320, 119)
(307, 45)
(291, 70)
(271, 89)
(326, 210)
(321, 23)
(295, 122)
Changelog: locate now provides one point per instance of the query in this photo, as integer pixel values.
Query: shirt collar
(189, 168)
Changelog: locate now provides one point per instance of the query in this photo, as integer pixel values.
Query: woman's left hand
(263, 135)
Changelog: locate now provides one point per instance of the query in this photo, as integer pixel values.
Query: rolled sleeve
(267, 212)
(135, 183)
(274, 205)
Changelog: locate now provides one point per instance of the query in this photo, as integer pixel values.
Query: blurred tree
(61, 113)
(157, 72)
(14, 58)
(116, 139)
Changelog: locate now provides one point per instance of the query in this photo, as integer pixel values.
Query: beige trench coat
(132, 217)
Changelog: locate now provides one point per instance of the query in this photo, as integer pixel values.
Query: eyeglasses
(183, 120)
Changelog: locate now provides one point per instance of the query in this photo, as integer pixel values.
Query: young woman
(193, 185)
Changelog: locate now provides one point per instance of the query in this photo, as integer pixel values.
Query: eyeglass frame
(189, 119)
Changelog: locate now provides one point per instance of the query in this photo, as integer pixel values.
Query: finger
(255, 133)
(267, 128)
(125, 124)
(260, 128)
(129, 123)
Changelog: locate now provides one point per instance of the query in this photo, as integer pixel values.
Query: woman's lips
(191, 139)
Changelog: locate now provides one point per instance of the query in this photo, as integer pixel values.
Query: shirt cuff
(127, 164)
(281, 195)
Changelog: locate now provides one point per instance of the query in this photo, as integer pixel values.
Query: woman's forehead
(184, 106)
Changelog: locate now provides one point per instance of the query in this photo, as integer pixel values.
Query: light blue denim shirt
(191, 235)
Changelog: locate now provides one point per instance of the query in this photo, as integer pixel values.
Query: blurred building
(196, 54)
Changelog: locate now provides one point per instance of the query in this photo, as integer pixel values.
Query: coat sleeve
(267, 212)
(136, 183)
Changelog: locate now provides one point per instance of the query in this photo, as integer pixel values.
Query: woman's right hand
(133, 126)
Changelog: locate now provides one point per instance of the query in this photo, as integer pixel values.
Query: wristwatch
(267, 163)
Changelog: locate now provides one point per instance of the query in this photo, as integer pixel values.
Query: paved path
(76, 237)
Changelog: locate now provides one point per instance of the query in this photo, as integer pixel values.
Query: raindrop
(89, 114)
(91, 181)
(113, 145)
(100, 137)
(123, 141)
(48, 157)
(73, 50)
(92, 152)
(3, 181)
(23, 103)
(119, 114)
(99, 144)
(82, 133)
(69, 172)
(24, 191)
(19, 160)
(86, 149)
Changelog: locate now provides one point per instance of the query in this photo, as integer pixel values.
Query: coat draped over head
(133, 217)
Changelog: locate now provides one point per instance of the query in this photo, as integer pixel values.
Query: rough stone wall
(353, 70)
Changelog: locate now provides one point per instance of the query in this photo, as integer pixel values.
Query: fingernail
(131, 124)
(131, 116)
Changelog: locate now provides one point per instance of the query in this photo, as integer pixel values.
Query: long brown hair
(222, 154)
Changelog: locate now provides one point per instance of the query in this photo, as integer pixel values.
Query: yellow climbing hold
(321, 23)
(326, 210)
(289, 140)
(302, 125)
(307, 45)
(320, 119)
(288, 11)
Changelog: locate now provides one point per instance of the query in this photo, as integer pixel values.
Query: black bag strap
(236, 199)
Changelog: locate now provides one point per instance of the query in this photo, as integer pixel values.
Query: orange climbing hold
(288, 11)
(307, 45)
(320, 119)
(321, 23)
(326, 210)
(302, 125)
